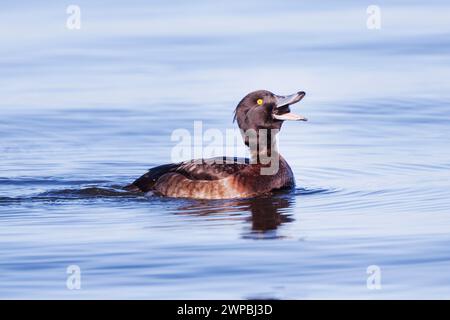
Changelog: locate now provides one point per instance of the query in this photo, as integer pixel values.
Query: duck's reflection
(267, 213)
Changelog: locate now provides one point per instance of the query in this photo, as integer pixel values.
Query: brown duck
(259, 115)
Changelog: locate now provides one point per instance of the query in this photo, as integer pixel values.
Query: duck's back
(215, 178)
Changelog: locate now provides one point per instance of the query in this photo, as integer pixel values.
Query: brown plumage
(225, 178)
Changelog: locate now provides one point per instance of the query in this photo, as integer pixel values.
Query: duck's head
(264, 110)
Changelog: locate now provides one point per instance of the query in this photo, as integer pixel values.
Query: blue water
(84, 112)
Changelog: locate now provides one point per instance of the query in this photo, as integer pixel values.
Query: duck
(259, 116)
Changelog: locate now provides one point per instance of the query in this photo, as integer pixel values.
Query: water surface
(84, 112)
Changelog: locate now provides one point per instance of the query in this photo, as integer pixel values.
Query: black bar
(229, 309)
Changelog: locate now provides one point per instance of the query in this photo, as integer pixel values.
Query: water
(84, 112)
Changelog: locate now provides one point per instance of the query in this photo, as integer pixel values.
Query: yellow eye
(259, 101)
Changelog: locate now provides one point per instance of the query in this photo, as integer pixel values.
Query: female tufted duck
(259, 115)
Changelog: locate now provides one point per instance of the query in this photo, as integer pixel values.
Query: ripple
(315, 191)
(47, 181)
(67, 195)
(386, 198)
(90, 192)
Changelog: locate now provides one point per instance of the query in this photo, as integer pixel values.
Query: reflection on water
(267, 213)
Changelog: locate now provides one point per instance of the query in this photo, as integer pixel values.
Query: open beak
(282, 110)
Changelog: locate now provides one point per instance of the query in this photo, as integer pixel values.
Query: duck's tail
(146, 182)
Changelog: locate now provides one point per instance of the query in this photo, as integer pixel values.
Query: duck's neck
(263, 148)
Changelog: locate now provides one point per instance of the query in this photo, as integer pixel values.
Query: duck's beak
(282, 111)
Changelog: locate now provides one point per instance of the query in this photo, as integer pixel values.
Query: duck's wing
(193, 170)
(212, 168)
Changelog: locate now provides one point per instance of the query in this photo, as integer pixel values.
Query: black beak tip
(301, 93)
